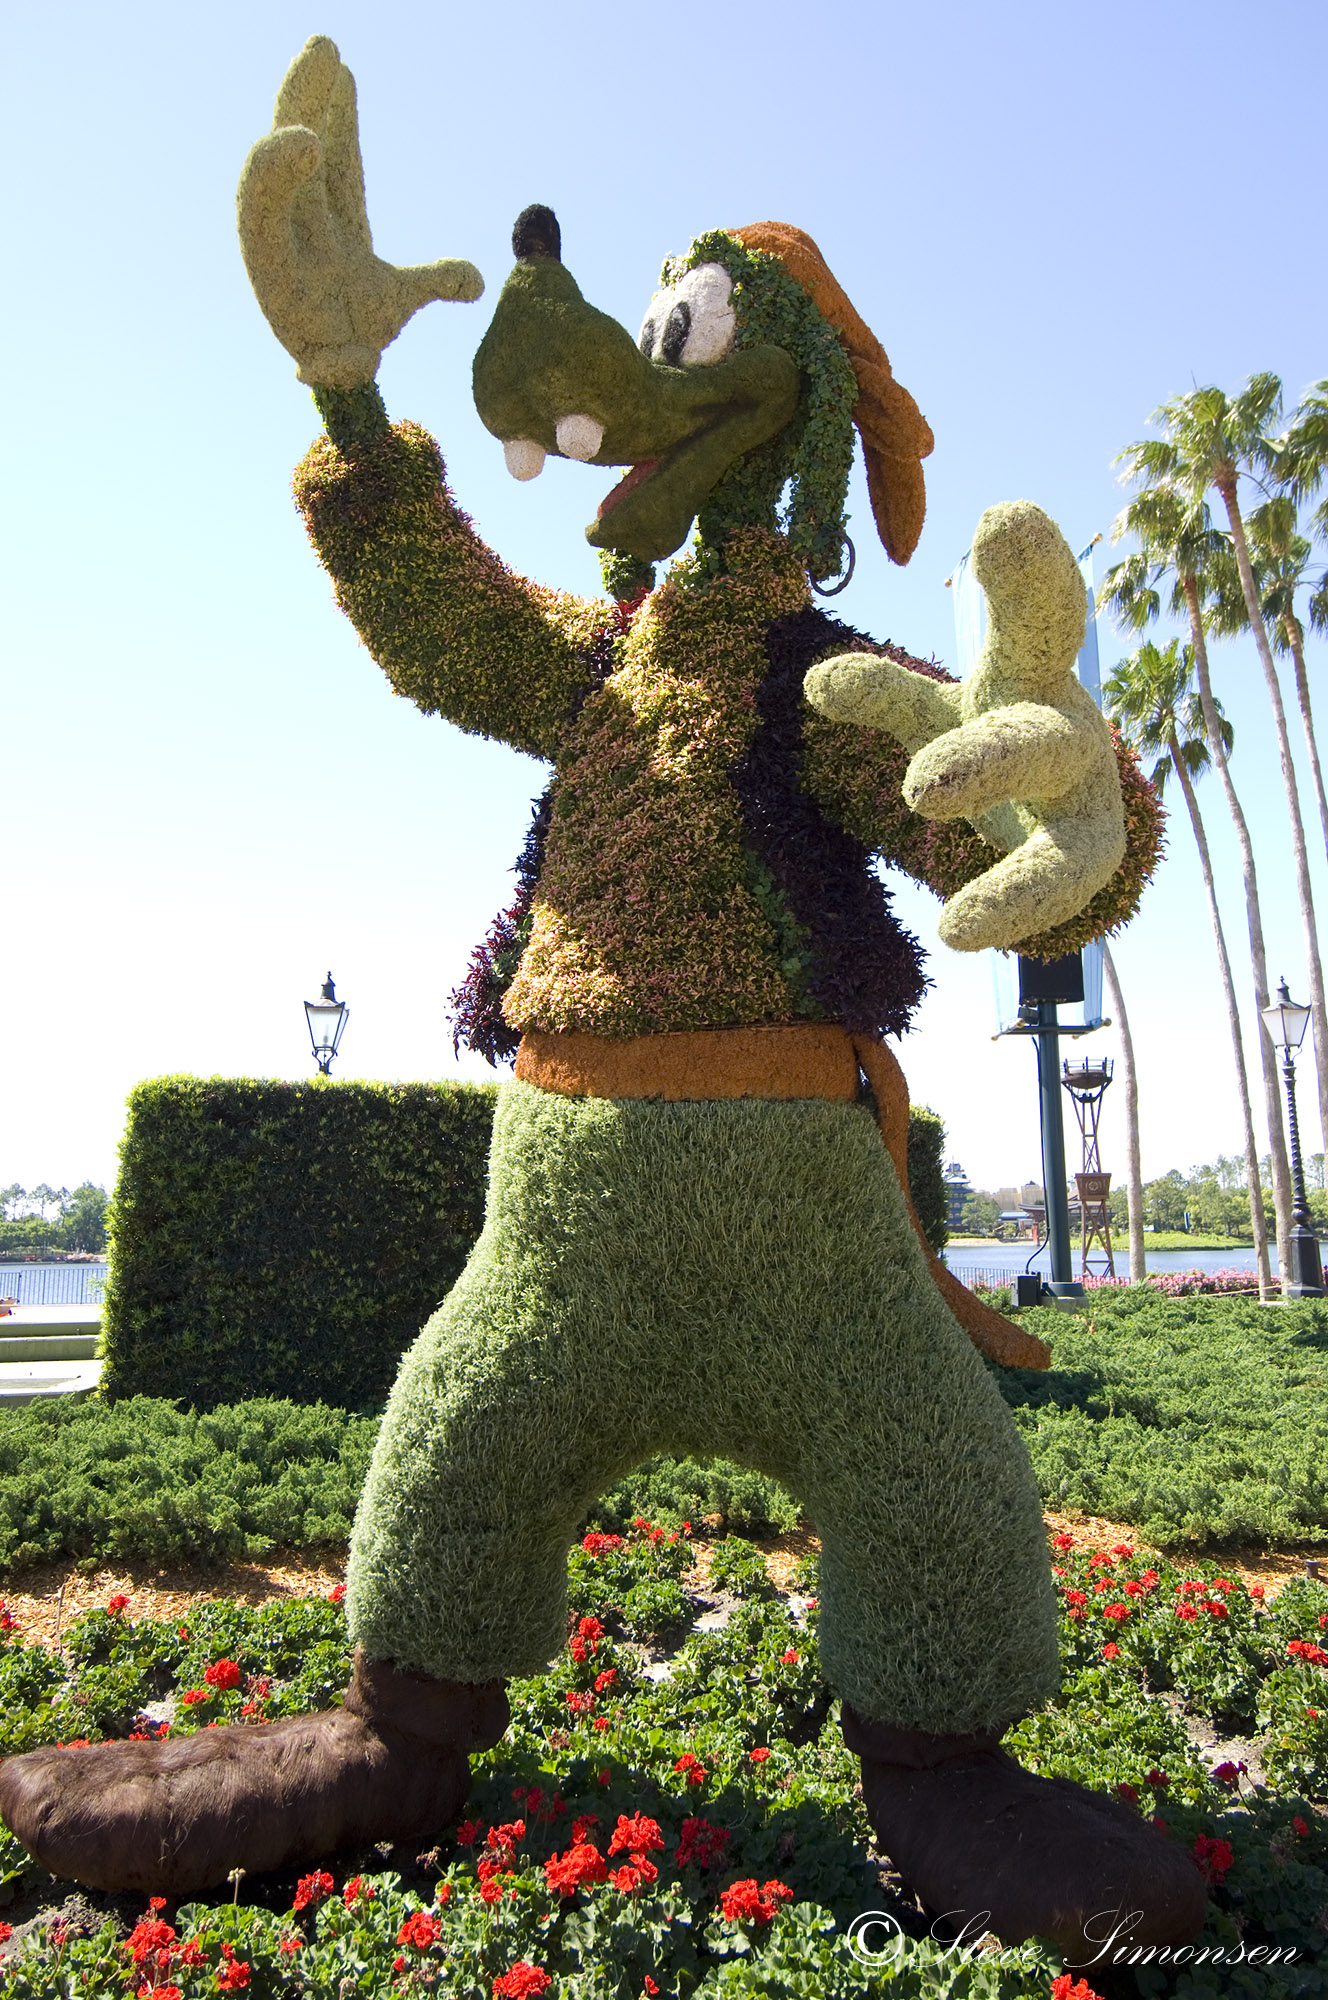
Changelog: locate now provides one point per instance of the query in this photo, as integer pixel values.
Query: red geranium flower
(234, 1973)
(115, 1605)
(223, 1674)
(524, 1982)
(421, 1929)
(582, 1863)
(760, 1753)
(702, 1843)
(744, 1900)
(1213, 1856)
(312, 1889)
(637, 1835)
(693, 1768)
(1066, 1987)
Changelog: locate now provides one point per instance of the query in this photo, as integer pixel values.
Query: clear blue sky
(1053, 218)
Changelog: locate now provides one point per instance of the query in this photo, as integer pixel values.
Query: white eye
(706, 293)
(525, 457)
(692, 323)
(579, 437)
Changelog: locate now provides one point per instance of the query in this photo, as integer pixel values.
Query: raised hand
(305, 235)
(1019, 749)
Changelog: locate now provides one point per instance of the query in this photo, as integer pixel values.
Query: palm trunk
(1272, 1087)
(1134, 1183)
(1295, 638)
(1314, 966)
(1258, 1220)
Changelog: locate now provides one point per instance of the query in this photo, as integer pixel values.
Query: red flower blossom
(503, 1839)
(1062, 1541)
(193, 1954)
(702, 1843)
(693, 1768)
(583, 1863)
(1100, 1562)
(337, 1592)
(1134, 1588)
(223, 1674)
(115, 1605)
(421, 1929)
(1228, 1773)
(312, 1889)
(1213, 1856)
(468, 1833)
(1221, 1584)
(1186, 1611)
(289, 1944)
(158, 1993)
(651, 1987)
(1076, 1597)
(601, 1722)
(354, 1889)
(1304, 1649)
(1111, 1651)
(637, 1835)
(1156, 1777)
(604, 1681)
(636, 1875)
(192, 1696)
(235, 1972)
(398, 1964)
(790, 1658)
(524, 1982)
(760, 1753)
(1122, 1549)
(604, 1779)
(579, 1701)
(1257, 1592)
(1300, 1826)
(1128, 1793)
(149, 1936)
(598, 1545)
(744, 1900)
(1149, 1578)
(1216, 1608)
(1066, 1987)
(590, 1630)
(1118, 1612)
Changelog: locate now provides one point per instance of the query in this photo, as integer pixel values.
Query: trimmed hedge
(286, 1239)
(926, 1180)
(291, 1239)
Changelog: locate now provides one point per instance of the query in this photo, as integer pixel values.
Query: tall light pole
(327, 1018)
(1285, 1021)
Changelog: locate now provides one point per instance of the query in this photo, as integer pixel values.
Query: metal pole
(1305, 1277)
(1063, 1282)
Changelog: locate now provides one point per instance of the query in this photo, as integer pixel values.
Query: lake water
(53, 1284)
(998, 1263)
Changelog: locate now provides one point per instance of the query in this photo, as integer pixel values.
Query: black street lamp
(1285, 1021)
(327, 1018)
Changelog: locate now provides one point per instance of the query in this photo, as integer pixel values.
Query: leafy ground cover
(673, 1811)
(1199, 1422)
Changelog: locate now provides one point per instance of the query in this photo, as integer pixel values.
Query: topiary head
(735, 406)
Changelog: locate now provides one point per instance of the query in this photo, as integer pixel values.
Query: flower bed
(673, 1819)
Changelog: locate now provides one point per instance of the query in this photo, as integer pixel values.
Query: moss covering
(735, 1279)
(1019, 750)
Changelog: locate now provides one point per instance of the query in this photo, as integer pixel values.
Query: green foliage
(286, 1239)
(734, 1733)
(812, 457)
(674, 1490)
(78, 1221)
(1195, 1422)
(143, 1480)
(926, 1180)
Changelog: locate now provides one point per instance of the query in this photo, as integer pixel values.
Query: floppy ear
(896, 437)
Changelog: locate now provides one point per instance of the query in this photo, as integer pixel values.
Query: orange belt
(819, 1060)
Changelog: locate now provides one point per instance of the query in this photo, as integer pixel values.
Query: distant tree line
(47, 1218)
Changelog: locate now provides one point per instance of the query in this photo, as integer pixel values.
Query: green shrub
(1196, 1420)
(279, 1239)
(673, 1490)
(926, 1150)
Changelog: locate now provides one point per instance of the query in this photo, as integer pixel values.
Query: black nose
(535, 233)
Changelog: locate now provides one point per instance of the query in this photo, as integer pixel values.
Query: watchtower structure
(1087, 1084)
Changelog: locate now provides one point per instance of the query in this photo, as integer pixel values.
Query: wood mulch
(56, 1593)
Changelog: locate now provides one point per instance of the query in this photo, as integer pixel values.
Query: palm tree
(1151, 698)
(1279, 557)
(1302, 465)
(1177, 541)
(1134, 1180)
(1213, 440)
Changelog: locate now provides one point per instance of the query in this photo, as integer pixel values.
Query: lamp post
(327, 1018)
(1285, 1021)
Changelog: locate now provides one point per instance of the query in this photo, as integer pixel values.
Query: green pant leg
(732, 1277)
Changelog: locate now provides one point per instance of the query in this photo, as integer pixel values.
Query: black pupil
(647, 338)
(676, 329)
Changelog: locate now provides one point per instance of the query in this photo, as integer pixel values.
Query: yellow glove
(1020, 749)
(305, 235)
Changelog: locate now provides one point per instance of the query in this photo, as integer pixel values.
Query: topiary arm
(911, 707)
(304, 232)
(454, 630)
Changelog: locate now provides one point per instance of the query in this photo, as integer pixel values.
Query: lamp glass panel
(324, 1023)
(1286, 1023)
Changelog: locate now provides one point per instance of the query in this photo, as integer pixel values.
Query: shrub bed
(1195, 1420)
(666, 1819)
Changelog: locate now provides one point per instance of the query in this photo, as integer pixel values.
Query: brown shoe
(990, 1847)
(171, 1818)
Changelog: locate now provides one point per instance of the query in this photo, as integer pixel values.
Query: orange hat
(896, 437)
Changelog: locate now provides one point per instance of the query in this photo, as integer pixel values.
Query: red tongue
(626, 485)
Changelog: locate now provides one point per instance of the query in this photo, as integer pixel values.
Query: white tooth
(525, 458)
(579, 437)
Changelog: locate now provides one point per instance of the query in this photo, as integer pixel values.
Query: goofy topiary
(695, 1238)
